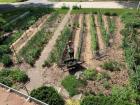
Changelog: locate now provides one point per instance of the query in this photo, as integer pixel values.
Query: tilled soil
(119, 78)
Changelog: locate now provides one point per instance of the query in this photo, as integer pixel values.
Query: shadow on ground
(128, 4)
(4, 7)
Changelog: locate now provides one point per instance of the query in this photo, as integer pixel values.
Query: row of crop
(94, 38)
(111, 24)
(81, 40)
(56, 54)
(104, 32)
(32, 50)
(131, 48)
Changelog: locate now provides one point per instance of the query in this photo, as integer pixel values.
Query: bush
(90, 74)
(11, 76)
(64, 7)
(19, 76)
(111, 65)
(48, 95)
(76, 7)
(6, 60)
(95, 100)
(71, 84)
(6, 81)
(4, 49)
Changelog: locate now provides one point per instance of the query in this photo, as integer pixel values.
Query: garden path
(88, 52)
(45, 53)
(36, 73)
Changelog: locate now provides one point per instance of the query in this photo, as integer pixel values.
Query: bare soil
(119, 78)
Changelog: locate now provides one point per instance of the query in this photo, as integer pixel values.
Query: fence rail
(27, 97)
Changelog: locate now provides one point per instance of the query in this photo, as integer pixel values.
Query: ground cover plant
(103, 11)
(111, 65)
(10, 77)
(32, 50)
(119, 96)
(48, 95)
(71, 84)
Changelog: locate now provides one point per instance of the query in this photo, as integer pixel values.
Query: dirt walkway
(100, 39)
(77, 35)
(45, 53)
(106, 22)
(36, 74)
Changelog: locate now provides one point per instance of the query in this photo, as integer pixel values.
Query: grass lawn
(10, 1)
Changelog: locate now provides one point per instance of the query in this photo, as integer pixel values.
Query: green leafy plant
(90, 74)
(111, 65)
(48, 95)
(11, 76)
(71, 84)
(6, 60)
(94, 38)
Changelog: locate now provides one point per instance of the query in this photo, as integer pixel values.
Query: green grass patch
(71, 84)
(104, 11)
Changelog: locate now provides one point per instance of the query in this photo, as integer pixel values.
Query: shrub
(95, 100)
(71, 84)
(107, 13)
(10, 76)
(19, 76)
(76, 7)
(6, 81)
(48, 95)
(4, 49)
(111, 65)
(6, 60)
(64, 7)
(90, 74)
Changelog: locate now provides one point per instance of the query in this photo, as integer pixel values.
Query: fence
(28, 98)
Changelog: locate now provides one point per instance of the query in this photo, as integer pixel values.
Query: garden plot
(12, 29)
(117, 77)
(88, 39)
(32, 50)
